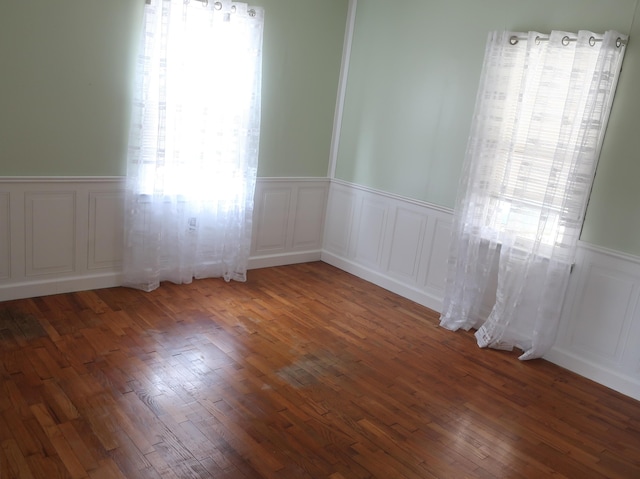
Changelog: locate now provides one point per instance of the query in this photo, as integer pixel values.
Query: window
(541, 112)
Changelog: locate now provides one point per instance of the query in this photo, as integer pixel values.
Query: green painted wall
(66, 73)
(64, 86)
(411, 91)
(303, 42)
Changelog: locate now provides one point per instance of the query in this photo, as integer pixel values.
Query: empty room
(319, 239)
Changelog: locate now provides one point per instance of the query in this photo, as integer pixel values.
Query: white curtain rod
(216, 5)
(565, 40)
(206, 2)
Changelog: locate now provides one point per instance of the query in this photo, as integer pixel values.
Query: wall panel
(66, 234)
(106, 229)
(397, 243)
(371, 226)
(59, 235)
(272, 225)
(309, 216)
(405, 246)
(599, 334)
(50, 232)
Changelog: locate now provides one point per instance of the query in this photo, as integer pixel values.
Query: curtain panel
(193, 146)
(541, 112)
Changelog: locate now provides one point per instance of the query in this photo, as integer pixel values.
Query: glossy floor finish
(302, 372)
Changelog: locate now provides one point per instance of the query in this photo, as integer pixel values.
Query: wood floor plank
(303, 371)
(64, 450)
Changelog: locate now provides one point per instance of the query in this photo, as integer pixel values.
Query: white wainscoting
(402, 245)
(59, 235)
(288, 220)
(599, 334)
(65, 234)
(399, 244)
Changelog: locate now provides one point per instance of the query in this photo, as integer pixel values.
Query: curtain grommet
(513, 40)
(592, 40)
(566, 40)
(217, 5)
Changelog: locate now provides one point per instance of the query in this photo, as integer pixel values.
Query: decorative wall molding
(402, 245)
(342, 86)
(288, 221)
(63, 234)
(49, 232)
(394, 242)
(599, 334)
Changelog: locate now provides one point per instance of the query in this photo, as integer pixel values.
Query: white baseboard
(47, 287)
(611, 378)
(64, 234)
(405, 290)
(268, 261)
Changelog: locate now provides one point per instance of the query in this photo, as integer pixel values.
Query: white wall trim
(45, 287)
(297, 179)
(609, 252)
(429, 300)
(55, 231)
(64, 234)
(269, 261)
(288, 221)
(393, 196)
(397, 243)
(342, 87)
(402, 245)
(61, 179)
(611, 378)
(599, 333)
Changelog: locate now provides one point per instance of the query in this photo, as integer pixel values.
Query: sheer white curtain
(542, 108)
(193, 147)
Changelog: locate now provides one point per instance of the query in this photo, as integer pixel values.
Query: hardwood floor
(302, 372)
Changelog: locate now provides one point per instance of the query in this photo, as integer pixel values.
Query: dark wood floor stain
(302, 372)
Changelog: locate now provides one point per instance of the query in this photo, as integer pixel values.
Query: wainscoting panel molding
(436, 264)
(106, 229)
(273, 219)
(599, 335)
(403, 245)
(371, 228)
(310, 208)
(288, 221)
(59, 234)
(50, 232)
(406, 237)
(396, 243)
